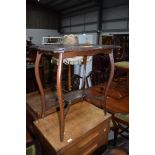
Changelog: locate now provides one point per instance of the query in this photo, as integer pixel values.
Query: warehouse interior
(87, 26)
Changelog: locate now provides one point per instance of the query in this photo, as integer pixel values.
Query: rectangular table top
(61, 48)
(74, 50)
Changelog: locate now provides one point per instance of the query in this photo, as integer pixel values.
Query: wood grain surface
(85, 126)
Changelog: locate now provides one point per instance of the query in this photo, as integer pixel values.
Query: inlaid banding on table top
(71, 48)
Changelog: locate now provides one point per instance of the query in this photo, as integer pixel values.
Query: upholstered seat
(31, 150)
(122, 117)
(122, 65)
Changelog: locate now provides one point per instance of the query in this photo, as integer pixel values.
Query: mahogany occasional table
(61, 52)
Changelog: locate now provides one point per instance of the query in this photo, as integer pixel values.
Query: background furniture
(122, 69)
(100, 67)
(120, 125)
(47, 71)
(117, 104)
(30, 147)
(121, 54)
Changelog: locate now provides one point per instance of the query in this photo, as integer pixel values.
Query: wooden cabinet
(100, 65)
(118, 39)
(86, 129)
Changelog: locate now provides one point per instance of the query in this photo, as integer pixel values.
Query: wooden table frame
(68, 53)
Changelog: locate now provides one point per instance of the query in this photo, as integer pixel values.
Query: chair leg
(115, 137)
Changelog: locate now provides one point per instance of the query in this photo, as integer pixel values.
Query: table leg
(60, 101)
(109, 79)
(37, 76)
(69, 78)
(84, 82)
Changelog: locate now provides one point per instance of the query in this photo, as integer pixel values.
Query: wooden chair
(117, 104)
(120, 125)
(122, 56)
(121, 68)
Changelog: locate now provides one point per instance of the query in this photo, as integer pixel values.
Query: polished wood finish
(114, 103)
(39, 83)
(62, 52)
(118, 105)
(59, 92)
(119, 88)
(86, 129)
(72, 51)
(109, 80)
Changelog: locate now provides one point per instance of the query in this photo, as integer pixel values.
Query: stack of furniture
(61, 110)
(117, 104)
(100, 65)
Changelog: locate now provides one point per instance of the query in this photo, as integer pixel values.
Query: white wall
(89, 37)
(37, 34)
